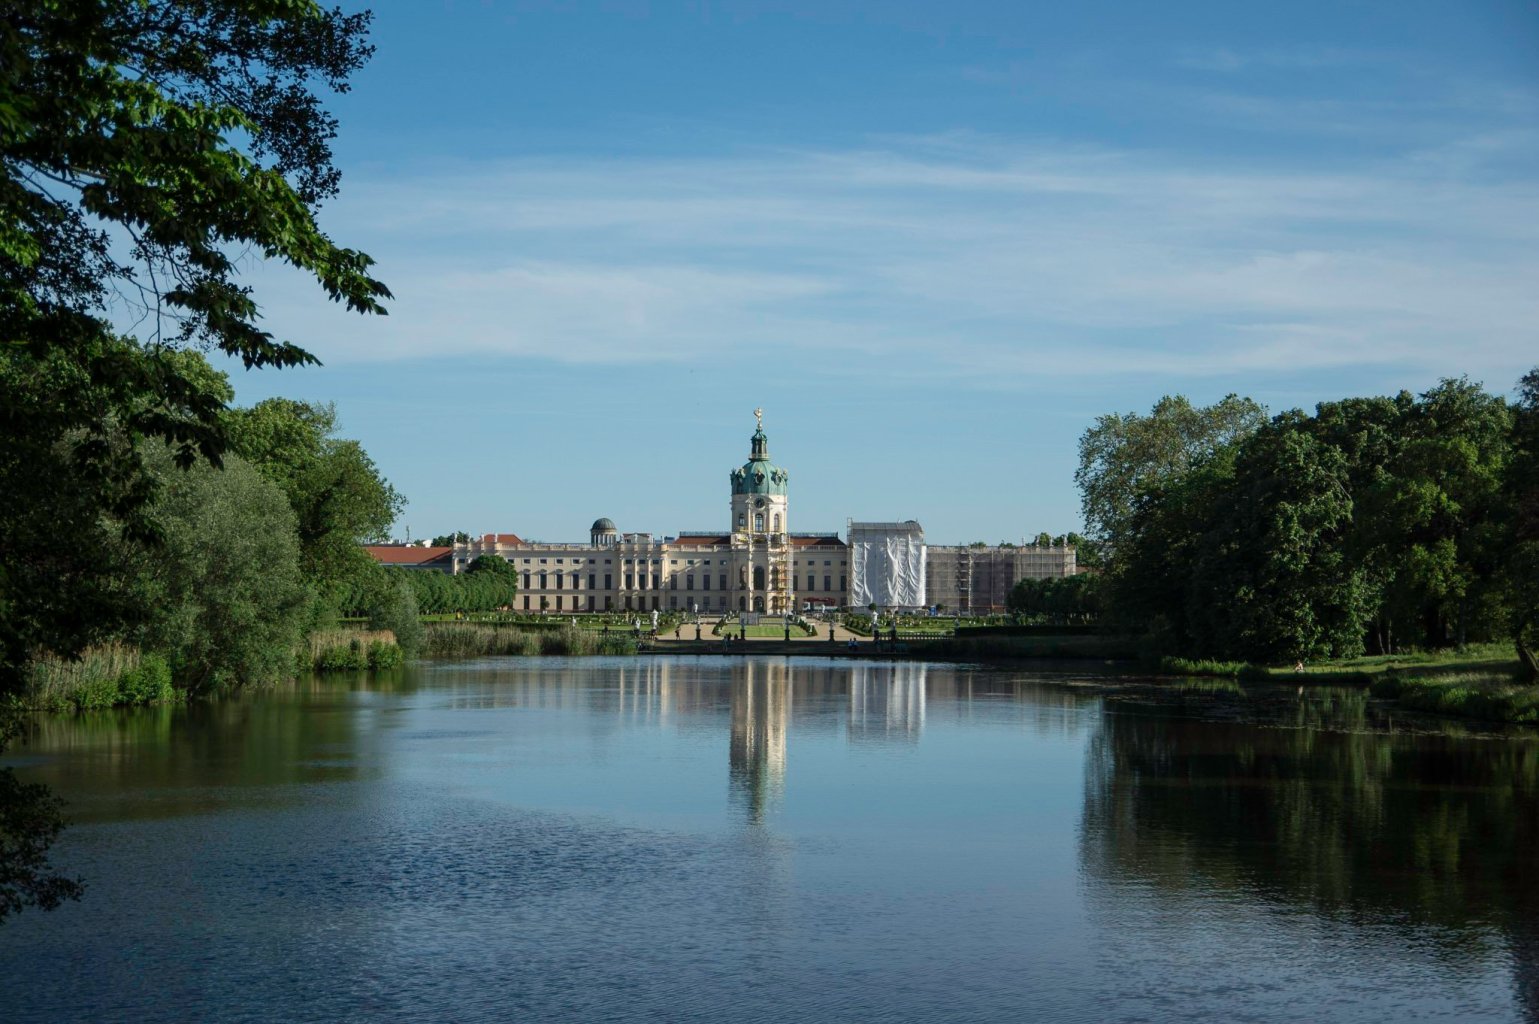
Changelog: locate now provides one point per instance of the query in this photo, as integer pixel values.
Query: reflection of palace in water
(761, 718)
(871, 703)
(883, 704)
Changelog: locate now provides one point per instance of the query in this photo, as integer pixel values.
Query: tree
(144, 148)
(226, 585)
(30, 820)
(1270, 581)
(395, 608)
(1122, 456)
(1521, 566)
(444, 540)
(338, 496)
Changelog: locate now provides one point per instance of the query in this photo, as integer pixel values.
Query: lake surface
(714, 839)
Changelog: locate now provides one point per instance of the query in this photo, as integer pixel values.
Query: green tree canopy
(1122, 456)
(142, 146)
(338, 496)
(1375, 522)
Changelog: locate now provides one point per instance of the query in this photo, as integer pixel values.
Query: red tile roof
(405, 554)
(696, 540)
(832, 540)
(501, 538)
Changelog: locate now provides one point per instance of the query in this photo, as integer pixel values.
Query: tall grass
(1493, 697)
(103, 675)
(476, 640)
(353, 650)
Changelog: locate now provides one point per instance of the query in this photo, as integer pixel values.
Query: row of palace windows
(638, 603)
(558, 581)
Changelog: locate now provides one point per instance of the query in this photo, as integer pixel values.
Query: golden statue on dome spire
(758, 415)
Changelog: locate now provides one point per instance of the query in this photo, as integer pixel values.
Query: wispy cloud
(988, 257)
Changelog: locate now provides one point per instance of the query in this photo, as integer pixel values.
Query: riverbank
(1482, 681)
(121, 675)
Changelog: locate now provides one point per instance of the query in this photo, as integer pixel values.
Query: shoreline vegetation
(1482, 681)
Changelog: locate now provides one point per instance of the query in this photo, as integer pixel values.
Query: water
(754, 840)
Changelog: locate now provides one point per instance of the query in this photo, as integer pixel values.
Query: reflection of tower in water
(761, 717)
(887, 701)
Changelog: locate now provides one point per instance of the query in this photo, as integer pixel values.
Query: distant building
(888, 564)
(413, 556)
(979, 579)
(756, 565)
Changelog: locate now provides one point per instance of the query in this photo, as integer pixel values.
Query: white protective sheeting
(888, 563)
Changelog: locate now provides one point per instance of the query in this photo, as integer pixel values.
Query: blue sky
(932, 240)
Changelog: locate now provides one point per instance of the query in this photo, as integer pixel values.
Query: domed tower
(603, 533)
(759, 529)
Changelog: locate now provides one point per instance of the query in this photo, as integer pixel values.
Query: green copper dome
(759, 475)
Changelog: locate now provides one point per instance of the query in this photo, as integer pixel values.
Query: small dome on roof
(602, 526)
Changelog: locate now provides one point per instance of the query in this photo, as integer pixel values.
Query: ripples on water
(714, 839)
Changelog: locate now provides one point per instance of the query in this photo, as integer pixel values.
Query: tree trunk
(1530, 662)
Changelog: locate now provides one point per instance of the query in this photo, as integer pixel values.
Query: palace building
(757, 564)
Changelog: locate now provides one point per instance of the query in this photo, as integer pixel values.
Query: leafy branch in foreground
(146, 147)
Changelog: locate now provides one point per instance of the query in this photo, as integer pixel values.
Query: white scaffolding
(887, 563)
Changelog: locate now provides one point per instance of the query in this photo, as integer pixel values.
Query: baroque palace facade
(756, 565)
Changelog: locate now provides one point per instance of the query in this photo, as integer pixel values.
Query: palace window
(758, 522)
(706, 578)
(689, 582)
(777, 522)
(592, 580)
(828, 583)
(609, 584)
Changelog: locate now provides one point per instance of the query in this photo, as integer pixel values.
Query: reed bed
(353, 650)
(103, 675)
(478, 640)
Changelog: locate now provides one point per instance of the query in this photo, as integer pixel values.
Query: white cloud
(979, 257)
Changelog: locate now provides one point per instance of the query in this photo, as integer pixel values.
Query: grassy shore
(1488, 659)
(1483, 681)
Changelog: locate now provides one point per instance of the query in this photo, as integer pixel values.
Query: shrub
(383, 655)
(396, 610)
(149, 683)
